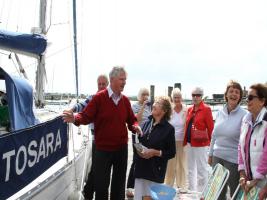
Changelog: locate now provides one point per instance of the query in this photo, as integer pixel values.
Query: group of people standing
(177, 141)
(238, 139)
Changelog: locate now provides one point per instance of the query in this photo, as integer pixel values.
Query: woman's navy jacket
(160, 137)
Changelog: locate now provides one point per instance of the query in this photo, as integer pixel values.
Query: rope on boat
(74, 160)
(77, 194)
(84, 171)
(73, 195)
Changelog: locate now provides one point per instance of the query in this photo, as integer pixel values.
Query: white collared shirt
(115, 98)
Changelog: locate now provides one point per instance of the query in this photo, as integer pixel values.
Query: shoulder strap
(265, 119)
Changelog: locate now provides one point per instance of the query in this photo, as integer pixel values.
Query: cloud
(203, 43)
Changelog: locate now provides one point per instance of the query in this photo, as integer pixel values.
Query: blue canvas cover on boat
(20, 101)
(22, 42)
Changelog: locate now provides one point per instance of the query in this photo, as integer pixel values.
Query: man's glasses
(251, 97)
(196, 95)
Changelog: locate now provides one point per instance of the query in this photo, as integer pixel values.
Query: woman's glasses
(251, 97)
(145, 94)
(196, 95)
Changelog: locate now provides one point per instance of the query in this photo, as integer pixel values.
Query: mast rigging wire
(75, 46)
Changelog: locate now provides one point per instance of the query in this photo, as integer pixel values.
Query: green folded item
(4, 116)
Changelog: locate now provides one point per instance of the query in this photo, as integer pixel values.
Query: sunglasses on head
(251, 97)
(196, 95)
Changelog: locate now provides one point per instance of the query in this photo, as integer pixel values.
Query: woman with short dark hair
(252, 151)
(225, 135)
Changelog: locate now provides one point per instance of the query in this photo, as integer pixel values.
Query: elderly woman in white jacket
(252, 155)
(176, 169)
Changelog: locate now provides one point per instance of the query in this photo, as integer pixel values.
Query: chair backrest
(216, 182)
(239, 194)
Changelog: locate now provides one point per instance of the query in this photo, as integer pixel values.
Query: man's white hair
(103, 76)
(116, 71)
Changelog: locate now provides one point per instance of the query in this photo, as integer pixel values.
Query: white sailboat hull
(63, 180)
(62, 184)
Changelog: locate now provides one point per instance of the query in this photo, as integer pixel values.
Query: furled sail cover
(20, 101)
(22, 43)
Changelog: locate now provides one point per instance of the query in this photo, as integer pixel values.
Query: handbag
(199, 135)
(196, 134)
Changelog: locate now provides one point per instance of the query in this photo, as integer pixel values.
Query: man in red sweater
(89, 189)
(110, 111)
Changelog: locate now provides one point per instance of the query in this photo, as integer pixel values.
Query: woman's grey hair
(176, 92)
(116, 71)
(198, 90)
(141, 91)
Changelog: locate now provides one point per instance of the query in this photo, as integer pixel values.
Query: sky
(195, 43)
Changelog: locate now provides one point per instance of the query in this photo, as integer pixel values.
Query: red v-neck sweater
(109, 120)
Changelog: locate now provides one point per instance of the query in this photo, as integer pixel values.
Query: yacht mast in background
(41, 72)
(75, 46)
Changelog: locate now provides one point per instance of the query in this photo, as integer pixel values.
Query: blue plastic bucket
(162, 192)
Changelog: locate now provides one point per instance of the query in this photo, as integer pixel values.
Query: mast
(75, 46)
(40, 73)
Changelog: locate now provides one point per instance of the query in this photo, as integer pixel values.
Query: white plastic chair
(253, 194)
(216, 183)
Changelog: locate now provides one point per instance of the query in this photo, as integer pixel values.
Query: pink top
(261, 170)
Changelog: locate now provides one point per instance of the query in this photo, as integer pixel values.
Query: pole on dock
(152, 93)
(170, 88)
(178, 85)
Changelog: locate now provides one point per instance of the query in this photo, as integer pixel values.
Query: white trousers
(197, 167)
(141, 188)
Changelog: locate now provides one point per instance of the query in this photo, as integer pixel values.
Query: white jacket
(256, 142)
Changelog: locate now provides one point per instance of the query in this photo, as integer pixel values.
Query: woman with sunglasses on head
(158, 142)
(198, 129)
(225, 135)
(141, 109)
(252, 149)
